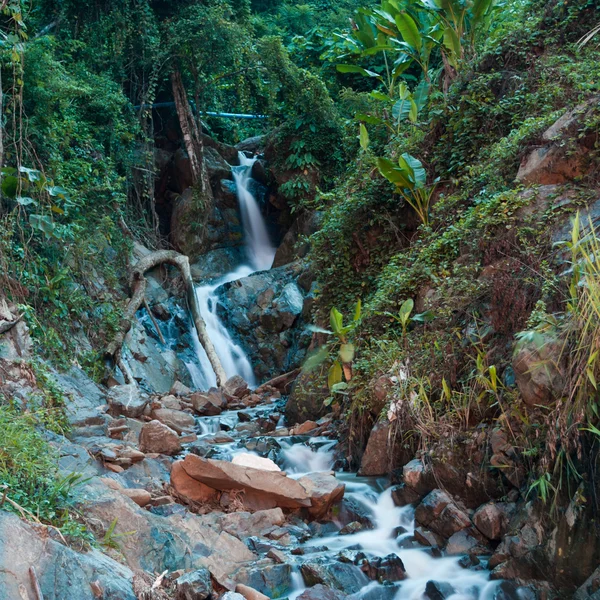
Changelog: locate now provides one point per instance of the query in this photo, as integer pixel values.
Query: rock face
(195, 585)
(324, 491)
(159, 438)
(265, 311)
(561, 157)
(175, 419)
(376, 459)
(188, 488)
(306, 400)
(63, 573)
(271, 485)
(538, 371)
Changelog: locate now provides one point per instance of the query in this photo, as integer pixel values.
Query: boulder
(270, 485)
(304, 428)
(272, 580)
(188, 488)
(467, 541)
(321, 592)
(492, 519)
(63, 574)
(403, 495)
(177, 420)
(376, 458)
(252, 144)
(307, 397)
(256, 462)
(388, 568)
(157, 437)
(216, 166)
(439, 513)
(418, 477)
(178, 389)
(204, 406)
(438, 590)
(341, 576)
(195, 585)
(539, 372)
(127, 400)
(236, 386)
(324, 491)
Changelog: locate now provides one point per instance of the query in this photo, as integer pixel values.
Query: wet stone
(195, 585)
(321, 592)
(438, 590)
(388, 568)
(341, 576)
(351, 528)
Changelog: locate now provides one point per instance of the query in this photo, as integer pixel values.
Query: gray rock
(321, 592)
(341, 576)
(63, 573)
(273, 580)
(85, 399)
(195, 585)
(438, 590)
(127, 400)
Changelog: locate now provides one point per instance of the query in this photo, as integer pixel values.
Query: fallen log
(281, 382)
(138, 283)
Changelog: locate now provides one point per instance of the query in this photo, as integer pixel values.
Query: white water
(420, 566)
(260, 254)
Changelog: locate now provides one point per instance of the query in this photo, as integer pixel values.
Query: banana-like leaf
(370, 119)
(357, 69)
(405, 310)
(452, 44)
(358, 310)
(415, 167)
(409, 31)
(421, 94)
(335, 374)
(392, 173)
(363, 137)
(337, 321)
(480, 9)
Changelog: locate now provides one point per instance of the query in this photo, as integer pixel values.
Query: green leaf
(452, 44)
(10, 183)
(424, 317)
(42, 223)
(25, 201)
(32, 174)
(370, 119)
(380, 96)
(334, 375)
(413, 112)
(392, 173)
(346, 353)
(357, 310)
(409, 30)
(339, 388)
(357, 69)
(480, 10)
(406, 309)
(421, 94)
(337, 321)
(364, 137)
(415, 168)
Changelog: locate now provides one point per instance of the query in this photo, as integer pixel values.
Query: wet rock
(418, 477)
(539, 371)
(467, 541)
(177, 420)
(277, 555)
(438, 590)
(262, 446)
(127, 400)
(270, 485)
(321, 592)
(273, 580)
(63, 574)
(351, 528)
(492, 519)
(171, 402)
(236, 386)
(324, 491)
(428, 538)
(341, 576)
(439, 513)
(178, 389)
(249, 428)
(402, 495)
(388, 568)
(232, 596)
(156, 437)
(591, 587)
(376, 459)
(195, 585)
(188, 488)
(216, 165)
(205, 406)
(304, 428)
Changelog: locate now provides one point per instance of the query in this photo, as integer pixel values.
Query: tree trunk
(138, 284)
(192, 135)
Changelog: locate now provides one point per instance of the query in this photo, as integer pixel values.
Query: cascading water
(260, 254)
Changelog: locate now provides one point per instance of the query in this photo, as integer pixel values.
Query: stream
(392, 526)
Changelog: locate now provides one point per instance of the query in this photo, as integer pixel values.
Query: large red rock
(190, 488)
(177, 420)
(155, 437)
(377, 460)
(272, 485)
(324, 491)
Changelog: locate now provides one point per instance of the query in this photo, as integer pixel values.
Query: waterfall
(260, 253)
